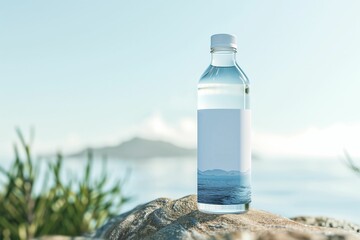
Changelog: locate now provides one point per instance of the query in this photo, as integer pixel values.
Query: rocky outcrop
(179, 219)
(328, 223)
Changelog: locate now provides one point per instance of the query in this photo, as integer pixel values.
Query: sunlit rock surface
(164, 218)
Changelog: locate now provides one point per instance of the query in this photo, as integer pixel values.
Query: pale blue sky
(92, 69)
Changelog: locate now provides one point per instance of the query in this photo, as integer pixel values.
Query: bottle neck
(223, 57)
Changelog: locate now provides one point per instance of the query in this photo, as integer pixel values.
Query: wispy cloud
(181, 132)
(312, 142)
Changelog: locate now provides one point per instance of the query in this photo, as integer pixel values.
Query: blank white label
(224, 139)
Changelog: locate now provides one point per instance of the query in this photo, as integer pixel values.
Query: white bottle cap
(223, 40)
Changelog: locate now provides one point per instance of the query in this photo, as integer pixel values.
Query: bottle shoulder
(229, 74)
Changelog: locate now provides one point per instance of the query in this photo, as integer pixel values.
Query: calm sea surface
(224, 189)
(285, 187)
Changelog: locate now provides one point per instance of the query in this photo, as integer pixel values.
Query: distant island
(139, 148)
(218, 172)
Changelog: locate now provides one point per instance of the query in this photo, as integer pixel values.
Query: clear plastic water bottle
(224, 128)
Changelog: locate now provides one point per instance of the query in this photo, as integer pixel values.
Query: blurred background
(120, 77)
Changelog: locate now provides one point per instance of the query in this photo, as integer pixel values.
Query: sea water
(224, 188)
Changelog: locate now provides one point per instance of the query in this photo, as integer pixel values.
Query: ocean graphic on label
(224, 156)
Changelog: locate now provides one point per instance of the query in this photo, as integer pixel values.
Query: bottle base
(223, 209)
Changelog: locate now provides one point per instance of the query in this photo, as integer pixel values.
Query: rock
(164, 219)
(327, 222)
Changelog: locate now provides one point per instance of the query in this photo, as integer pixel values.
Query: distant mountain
(218, 172)
(139, 148)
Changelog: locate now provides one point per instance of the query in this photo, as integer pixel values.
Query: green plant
(72, 208)
(351, 164)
